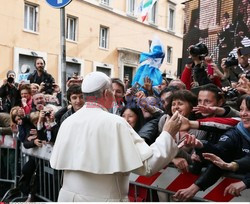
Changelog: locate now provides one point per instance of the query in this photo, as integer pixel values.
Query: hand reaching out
(173, 124)
(204, 109)
(217, 161)
(191, 142)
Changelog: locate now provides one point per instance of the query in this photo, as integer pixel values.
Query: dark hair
(169, 89)
(26, 87)
(119, 82)
(184, 95)
(245, 97)
(37, 58)
(140, 119)
(73, 89)
(214, 89)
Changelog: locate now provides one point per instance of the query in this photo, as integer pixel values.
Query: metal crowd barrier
(49, 180)
(159, 187)
(169, 180)
(8, 159)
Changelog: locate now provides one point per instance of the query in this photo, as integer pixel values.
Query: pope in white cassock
(98, 150)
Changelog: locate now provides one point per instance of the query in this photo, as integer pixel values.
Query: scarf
(245, 132)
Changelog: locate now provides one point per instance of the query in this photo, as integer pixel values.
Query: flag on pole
(150, 64)
(144, 8)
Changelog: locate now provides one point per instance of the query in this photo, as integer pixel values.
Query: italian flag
(144, 7)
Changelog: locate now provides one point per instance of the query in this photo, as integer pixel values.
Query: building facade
(101, 35)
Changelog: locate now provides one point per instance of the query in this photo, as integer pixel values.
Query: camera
(231, 93)
(10, 80)
(47, 113)
(199, 49)
(231, 61)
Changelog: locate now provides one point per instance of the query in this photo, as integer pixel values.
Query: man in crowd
(75, 99)
(41, 77)
(97, 150)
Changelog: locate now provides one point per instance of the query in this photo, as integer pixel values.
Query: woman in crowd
(26, 98)
(34, 88)
(134, 116)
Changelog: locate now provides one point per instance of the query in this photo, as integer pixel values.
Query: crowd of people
(194, 122)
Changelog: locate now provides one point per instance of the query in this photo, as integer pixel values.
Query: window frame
(153, 14)
(35, 12)
(173, 8)
(169, 55)
(105, 2)
(129, 11)
(106, 37)
(68, 30)
(104, 65)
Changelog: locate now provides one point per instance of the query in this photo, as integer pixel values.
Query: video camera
(231, 61)
(231, 93)
(199, 49)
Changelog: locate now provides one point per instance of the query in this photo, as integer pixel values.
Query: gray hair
(93, 96)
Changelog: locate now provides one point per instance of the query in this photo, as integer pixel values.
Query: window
(71, 28)
(104, 70)
(30, 17)
(171, 16)
(131, 7)
(105, 2)
(103, 39)
(169, 54)
(107, 69)
(152, 14)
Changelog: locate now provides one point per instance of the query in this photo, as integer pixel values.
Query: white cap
(94, 81)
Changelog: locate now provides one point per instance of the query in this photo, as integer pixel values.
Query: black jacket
(149, 131)
(10, 97)
(46, 78)
(232, 146)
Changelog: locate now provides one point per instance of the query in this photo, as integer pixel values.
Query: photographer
(47, 128)
(234, 67)
(196, 71)
(9, 92)
(41, 77)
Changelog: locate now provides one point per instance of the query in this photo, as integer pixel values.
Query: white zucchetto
(94, 81)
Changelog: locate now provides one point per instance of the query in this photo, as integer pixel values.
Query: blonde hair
(34, 116)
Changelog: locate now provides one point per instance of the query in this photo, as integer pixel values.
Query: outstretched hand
(173, 124)
(217, 161)
(191, 142)
(204, 109)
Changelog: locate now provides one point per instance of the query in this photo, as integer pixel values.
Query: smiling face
(130, 117)
(183, 107)
(245, 115)
(76, 101)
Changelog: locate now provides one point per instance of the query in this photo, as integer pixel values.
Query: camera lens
(10, 80)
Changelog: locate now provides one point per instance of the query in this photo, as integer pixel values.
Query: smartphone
(244, 51)
(210, 70)
(135, 88)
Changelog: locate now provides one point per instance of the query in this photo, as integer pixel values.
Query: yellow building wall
(124, 32)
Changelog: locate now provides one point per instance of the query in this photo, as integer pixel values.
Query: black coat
(232, 146)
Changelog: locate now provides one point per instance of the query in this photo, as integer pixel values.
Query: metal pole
(63, 55)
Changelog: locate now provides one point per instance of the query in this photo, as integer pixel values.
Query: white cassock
(97, 151)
